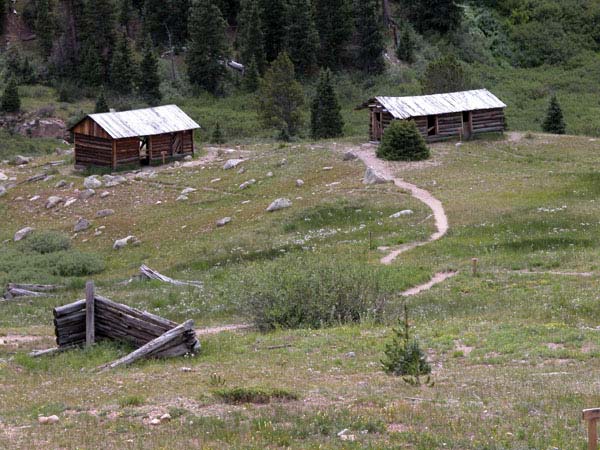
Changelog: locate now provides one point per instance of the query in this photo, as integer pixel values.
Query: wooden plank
(90, 327)
(135, 312)
(69, 309)
(591, 414)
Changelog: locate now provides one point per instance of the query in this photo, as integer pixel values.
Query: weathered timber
(90, 330)
(152, 346)
(48, 351)
(35, 287)
(148, 273)
(70, 308)
(12, 293)
(152, 318)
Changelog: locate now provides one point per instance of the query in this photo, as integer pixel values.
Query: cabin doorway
(144, 151)
(432, 125)
(176, 144)
(467, 119)
(376, 126)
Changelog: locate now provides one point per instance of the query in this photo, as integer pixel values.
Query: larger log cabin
(439, 116)
(132, 138)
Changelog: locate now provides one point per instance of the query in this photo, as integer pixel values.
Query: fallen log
(35, 287)
(148, 273)
(153, 346)
(12, 293)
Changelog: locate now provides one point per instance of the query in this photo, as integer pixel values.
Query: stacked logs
(116, 321)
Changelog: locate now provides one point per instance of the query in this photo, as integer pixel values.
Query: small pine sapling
(554, 122)
(404, 356)
(217, 135)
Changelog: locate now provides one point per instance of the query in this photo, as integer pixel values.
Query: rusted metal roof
(144, 122)
(427, 105)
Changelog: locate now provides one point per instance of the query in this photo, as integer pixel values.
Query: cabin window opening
(432, 125)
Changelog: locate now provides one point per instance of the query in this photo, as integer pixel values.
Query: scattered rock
(374, 177)
(87, 193)
(155, 422)
(349, 156)
(248, 183)
(121, 243)
(224, 221)
(35, 198)
(3, 176)
(54, 201)
(113, 180)
(245, 202)
(2, 190)
(328, 168)
(278, 204)
(70, 201)
(231, 163)
(81, 225)
(48, 420)
(299, 183)
(92, 182)
(269, 174)
(458, 144)
(165, 417)
(22, 233)
(49, 127)
(186, 369)
(105, 212)
(60, 184)
(350, 355)
(282, 163)
(188, 158)
(21, 160)
(241, 171)
(181, 198)
(215, 180)
(188, 190)
(104, 194)
(405, 212)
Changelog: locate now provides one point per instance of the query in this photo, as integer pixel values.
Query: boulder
(278, 204)
(81, 225)
(247, 184)
(104, 194)
(50, 127)
(299, 183)
(2, 190)
(53, 201)
(35, 198)
(231, 163)
(60, 184)
(188, 190)
(327, 168)
(188, 158)
(404, 212)
(22, 234)
(349, 156)
(105, 212)
(120, 243)
(374, 177)
(87, 193)
(224, 221)
(21, 160)
(92, 182)
(3, 176)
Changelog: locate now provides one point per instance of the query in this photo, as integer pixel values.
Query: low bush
(47, 242)
(402, 142)
(76, 264)
(254, 395)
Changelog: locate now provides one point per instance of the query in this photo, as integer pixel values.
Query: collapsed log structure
(146, 273)
(439, 116)
(97, 318)
(28, 290)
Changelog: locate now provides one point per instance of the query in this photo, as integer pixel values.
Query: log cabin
(440, 116)
(132, 138)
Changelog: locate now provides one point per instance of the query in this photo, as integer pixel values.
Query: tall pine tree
(274, 23)
(207, 48)
(90, 69)
(554, 121)
(251, 38)
(334, 23)
(325, 112)
(251, 77)
(11, 102)
(302, 37)
(149, 80)
(101, 105)
(122, 69)
(406, 46)
(370, 36)
(44, 25)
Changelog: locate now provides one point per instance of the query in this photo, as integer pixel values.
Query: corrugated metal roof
(144, 122)
(427, 105)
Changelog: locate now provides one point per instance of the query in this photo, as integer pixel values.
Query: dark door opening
(467, 124)
(376, 125)
(144, 151)
(432, 125)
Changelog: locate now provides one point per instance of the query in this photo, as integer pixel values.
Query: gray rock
(374, 177)
(404, 212)
(247, 184)
(188, 190)
(92, 182)
(53, 201)
(120, 243)
(2, 190)
(21, 160)
(350, 355)
(282, 163)
(81, 225)
(349, 156)
(269, 174)
(327, 168)
(113, 180)
(299, 183)
(22, 233)
(3, 176)
(278, 204)
(104, 194)
(188, 158)
(35, 198)
(84, 195)
(60, 184)
(105, 212)
(181, 198)
(231, 163)
(70, 201)
(224, 221)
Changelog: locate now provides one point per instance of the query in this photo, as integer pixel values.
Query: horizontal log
(12, 293)
(75, 318)
(35, 287)
(103, 301)
(69, 309)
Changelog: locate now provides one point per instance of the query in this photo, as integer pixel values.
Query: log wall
(127, 151)
(489, 120)
(90, 128)
(164, 143)
(91, 150)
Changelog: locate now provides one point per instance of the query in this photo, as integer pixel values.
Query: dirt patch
(222, 328)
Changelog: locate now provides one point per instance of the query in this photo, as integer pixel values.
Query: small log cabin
(439, 116)
(133, 138)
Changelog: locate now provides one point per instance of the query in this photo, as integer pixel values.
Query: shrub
(254, 395)
(444, 75)
(402, 142)
(47, 242)
(314, 292)
(77, 264)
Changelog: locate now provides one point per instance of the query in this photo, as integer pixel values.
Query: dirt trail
(367, 155)
(437, 279)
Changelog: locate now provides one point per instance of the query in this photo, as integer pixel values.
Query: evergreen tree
(554, 121)
(149, 80)
(3, 8)
(217, 135)
(164, 17)
(439, 16)
(101, 105)
(11, 101)
(402, 141)
(251, 77)
(126, 14)
(280, 97)
(444, 75)
(90, 69)
(122, 69)
(302, 37)
(99, 26)
(274, 23)
(406, 46)
(333, 19)
(325, 113)
(207, 47)
(44, 25)
(251, 37)
(370, 36)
